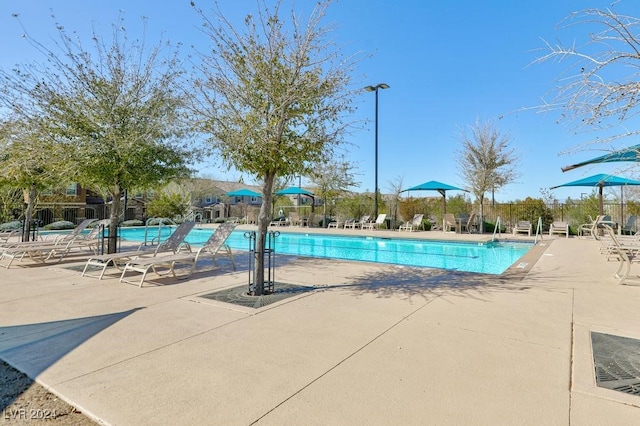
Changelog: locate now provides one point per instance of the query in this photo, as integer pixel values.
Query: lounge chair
(375, 225)
(522, 226)
(631, 227)
(308, 221)
(590, 228)
(354, 225)
(470, 224)
(338, 223)
(6, 235)
(449, 223)
(413, 224)
(175, 243)
(51, 238)
(627, 254)
(42, 251)
(294, 219)
(558, 227)
(214, 244)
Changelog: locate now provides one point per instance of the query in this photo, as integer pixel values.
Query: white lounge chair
(354, 225)
(523, 226)
(175, 243)
(449, 223)
(414, 224)
(42, 251)
(558, 227)
(375, 225)
(214, 244)
(51, 238)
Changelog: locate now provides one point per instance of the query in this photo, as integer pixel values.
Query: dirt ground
(24, 402)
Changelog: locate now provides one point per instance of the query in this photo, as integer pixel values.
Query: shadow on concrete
(32, 348)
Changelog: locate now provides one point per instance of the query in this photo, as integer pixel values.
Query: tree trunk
(482, 214)
(114, 218)
(28, 214)
(264, 218)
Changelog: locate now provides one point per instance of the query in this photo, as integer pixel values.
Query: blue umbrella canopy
(294, 190)
(433, 185)
(600, 181)
(631, 153)
(244, 192)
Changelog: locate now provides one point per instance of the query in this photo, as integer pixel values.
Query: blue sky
(448, 64)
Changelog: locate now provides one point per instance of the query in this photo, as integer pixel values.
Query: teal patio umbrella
(244, 192)
(294, 190)
(433, 185)
(631, 153)
(600, 181)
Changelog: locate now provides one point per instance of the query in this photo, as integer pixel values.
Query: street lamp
(375, 192)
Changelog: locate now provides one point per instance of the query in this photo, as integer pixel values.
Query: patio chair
(51, 238)
(6, 235)
(522, 226)
(294, 219)
(627, 254)
(42, 251)
(558, 227)
(212, 247)
(449, 223)
(175, 243)
(308, 221)
(338, 223)
(470, 224)
(413, 224)
(375, 225)
(357, 224)
(590, 228)
(631, 227)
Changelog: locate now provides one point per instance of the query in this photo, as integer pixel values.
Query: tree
(486, 161)
(395, 188)
(599, 87)
(332, 180)
(117, 109)
(29, 160)
(272, 98)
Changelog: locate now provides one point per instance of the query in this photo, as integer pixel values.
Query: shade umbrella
(433, 185)
(631, 153)
(600, 181)
(294, 190)
(244, 192)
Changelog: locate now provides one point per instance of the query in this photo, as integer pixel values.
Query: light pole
(375, 192)
(299, 186)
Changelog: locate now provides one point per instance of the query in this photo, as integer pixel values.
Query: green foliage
(354, 206)
(459, 205)
(133, 222)
(534, 208)
(62, 224)
(168, 205)
(9, 226)
(633, 208)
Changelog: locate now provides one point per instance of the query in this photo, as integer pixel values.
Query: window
(72, 189)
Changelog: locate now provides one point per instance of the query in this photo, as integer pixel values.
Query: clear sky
(448, 64)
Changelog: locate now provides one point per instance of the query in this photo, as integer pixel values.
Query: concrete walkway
(373, 344)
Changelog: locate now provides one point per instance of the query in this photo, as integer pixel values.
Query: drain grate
(239, 296)
(617, 362)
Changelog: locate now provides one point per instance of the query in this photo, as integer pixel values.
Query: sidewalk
(373, 344)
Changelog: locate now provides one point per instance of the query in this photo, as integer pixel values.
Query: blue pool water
(488, 258)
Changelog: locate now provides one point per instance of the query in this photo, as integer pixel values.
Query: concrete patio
(370, 344)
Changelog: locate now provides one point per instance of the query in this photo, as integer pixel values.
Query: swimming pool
(488, 258)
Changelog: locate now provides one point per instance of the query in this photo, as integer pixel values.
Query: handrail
(497, 228)
(538, 230)
(161, 222)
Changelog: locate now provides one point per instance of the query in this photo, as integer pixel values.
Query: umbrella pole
(600, 204)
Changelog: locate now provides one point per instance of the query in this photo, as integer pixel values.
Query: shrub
(62, 224)
(8, 226)
(134, 222)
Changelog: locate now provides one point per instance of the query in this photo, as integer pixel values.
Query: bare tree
(486, 161)
(272, 97)
(331, 180)
(599, 88)
(395, 187)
